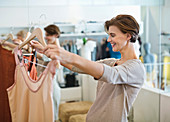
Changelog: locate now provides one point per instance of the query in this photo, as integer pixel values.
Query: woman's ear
(128, 36)
(56, 36)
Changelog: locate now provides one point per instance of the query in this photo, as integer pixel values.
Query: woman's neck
(128, 52)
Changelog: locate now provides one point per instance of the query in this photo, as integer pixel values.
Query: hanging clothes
(7, 64)
(86, 48)
(30, 100)
(33, 72)
(30, 67)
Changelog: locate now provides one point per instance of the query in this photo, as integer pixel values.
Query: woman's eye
(112, 35)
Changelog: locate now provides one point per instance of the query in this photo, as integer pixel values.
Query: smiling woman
(126, 24)
(119, 81)
(121, 29)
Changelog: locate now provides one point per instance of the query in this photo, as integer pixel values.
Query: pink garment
(30, 100)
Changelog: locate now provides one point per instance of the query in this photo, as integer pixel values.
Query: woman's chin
(115, 50)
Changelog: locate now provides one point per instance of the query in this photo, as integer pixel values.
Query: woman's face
(50, 38)
(20, 38)
(117, 39)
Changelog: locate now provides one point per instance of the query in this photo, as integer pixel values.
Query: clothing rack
(33, 62)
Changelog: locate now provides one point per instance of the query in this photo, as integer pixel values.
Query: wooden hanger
(27, 46)
(36, 33)
(27, 35)
(58, 63)
(10, 36)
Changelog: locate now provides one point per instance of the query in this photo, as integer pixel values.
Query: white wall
(152, 105)
(146, 106)
(89, 87)
(78, 2)
(165, 107)
(21, 16)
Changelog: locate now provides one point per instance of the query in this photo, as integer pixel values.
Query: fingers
(50, 46)
(53, 56)
(33, 42)
(37, 46)
(49, 51)
(55, 53)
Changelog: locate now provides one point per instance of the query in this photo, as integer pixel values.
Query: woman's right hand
(37, 46)
(56, 52)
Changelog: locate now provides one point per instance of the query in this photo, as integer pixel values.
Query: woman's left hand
(37, 46)
(58, 53)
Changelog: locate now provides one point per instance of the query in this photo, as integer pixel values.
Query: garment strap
(52, 66)
(16, 52)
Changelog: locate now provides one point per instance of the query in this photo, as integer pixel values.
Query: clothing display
(117, 89)
(30, 100)
(33, 72)
(7, 64)
(148, 57)
(71, 47)
(151, 70)
(30, 67)
(87, 48)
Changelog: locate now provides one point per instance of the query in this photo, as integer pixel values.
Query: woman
(52, 33)
(21, 35)
(20, 38)
(119, 80)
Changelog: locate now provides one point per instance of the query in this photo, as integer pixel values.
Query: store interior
(82, 32)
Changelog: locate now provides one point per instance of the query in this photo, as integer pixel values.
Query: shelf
(65, 25)
(165, 34)
(83, 35)
(68, 29)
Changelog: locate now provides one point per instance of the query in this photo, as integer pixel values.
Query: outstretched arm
(39, 48)
(70, 59)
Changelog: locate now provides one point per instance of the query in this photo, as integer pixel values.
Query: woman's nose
(109, 39)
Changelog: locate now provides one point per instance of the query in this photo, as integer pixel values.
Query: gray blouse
(117, 89)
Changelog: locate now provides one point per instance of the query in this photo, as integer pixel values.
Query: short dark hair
(126, 24)
(52, 30)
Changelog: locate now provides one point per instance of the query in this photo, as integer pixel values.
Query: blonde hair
(21, 33)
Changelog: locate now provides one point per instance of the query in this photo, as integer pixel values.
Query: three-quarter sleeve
(129, 73)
